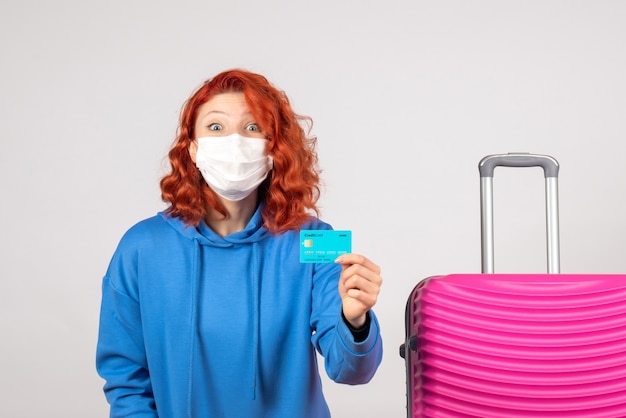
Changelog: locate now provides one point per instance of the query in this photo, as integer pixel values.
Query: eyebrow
(221, 112)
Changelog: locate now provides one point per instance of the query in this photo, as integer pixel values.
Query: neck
(238, 214)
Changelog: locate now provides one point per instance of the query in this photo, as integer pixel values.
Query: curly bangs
(290, 192)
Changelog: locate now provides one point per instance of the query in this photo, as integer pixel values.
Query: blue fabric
(197, 325)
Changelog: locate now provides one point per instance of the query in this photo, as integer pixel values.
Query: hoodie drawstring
(193, 320)
(256, 316)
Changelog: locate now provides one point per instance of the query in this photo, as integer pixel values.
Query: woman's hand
(359, 285)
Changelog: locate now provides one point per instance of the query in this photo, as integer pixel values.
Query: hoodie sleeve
(120, 356)
(346, 361)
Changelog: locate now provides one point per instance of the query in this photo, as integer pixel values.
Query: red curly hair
(291, 190)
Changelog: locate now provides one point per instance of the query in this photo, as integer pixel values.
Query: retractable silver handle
(551, 173)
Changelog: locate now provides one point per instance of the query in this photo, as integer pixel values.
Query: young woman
(206, 308)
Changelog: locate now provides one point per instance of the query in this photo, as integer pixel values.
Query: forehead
(229, 104)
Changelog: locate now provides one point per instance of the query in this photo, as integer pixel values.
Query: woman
(206, 309)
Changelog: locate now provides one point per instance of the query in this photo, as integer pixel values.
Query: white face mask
(234, 165)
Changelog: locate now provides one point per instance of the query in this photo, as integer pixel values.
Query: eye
(215, 127)
(253, 127)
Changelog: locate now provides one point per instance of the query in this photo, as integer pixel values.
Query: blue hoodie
(197, 325)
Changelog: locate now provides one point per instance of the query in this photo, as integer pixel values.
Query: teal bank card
(324, 246)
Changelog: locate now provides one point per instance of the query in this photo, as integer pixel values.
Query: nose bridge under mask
(248, 149)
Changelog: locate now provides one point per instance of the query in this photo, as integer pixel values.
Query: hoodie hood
(204, 235)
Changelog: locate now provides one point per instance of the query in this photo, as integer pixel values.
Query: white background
(407, 96)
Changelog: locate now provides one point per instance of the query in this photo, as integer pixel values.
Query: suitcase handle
(489, 163)
(551, 172)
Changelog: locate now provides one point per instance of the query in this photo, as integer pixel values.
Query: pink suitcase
(496, 345)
